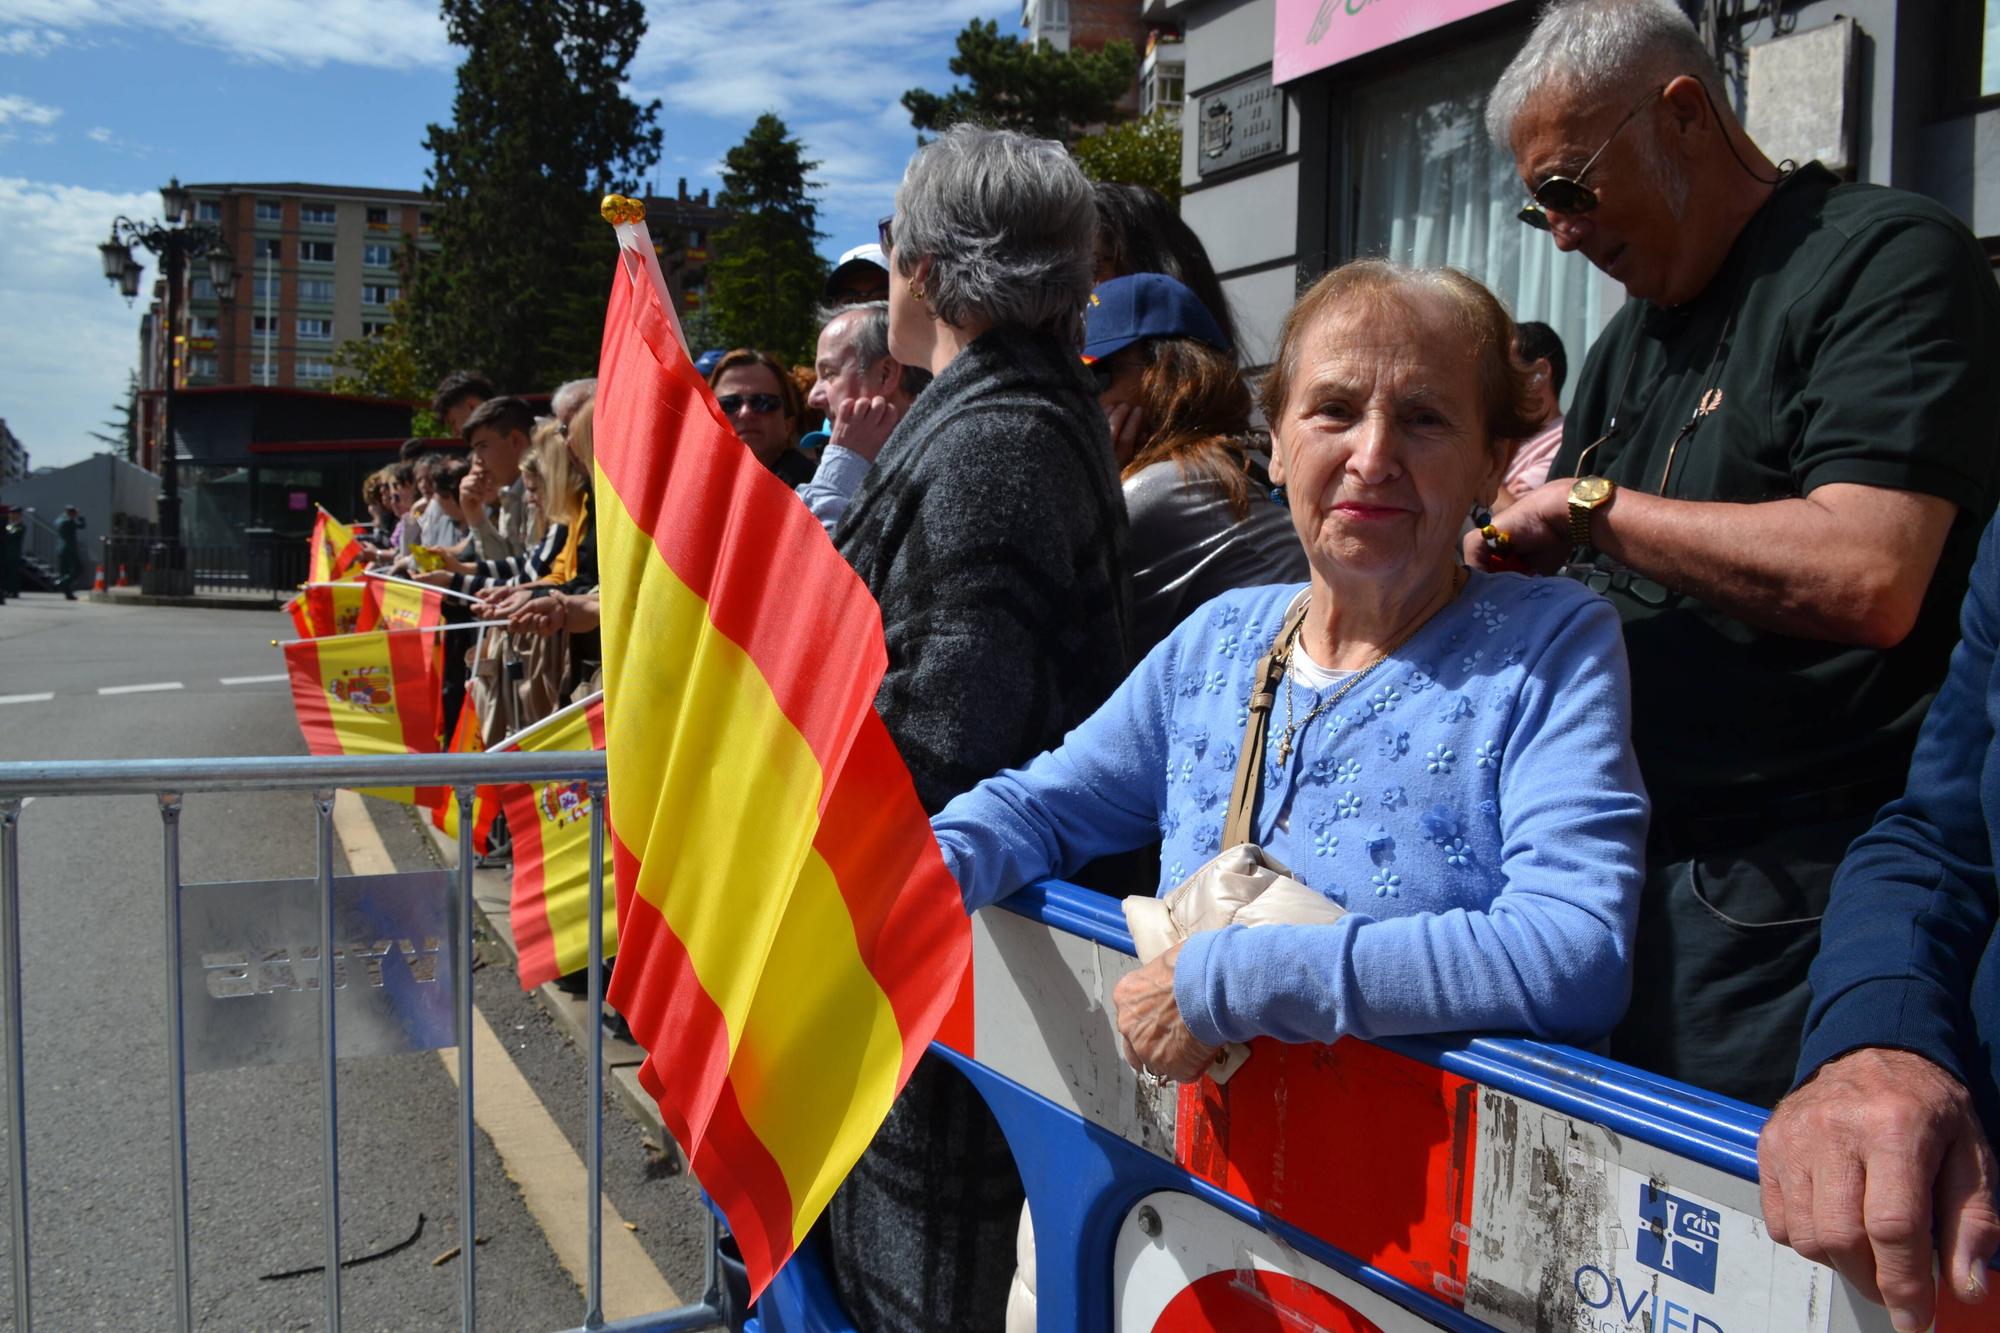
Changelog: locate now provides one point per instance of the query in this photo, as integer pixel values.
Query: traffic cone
(98, 586)
(123, 582)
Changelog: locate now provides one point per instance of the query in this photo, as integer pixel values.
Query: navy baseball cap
(704, 365)
(1125, 310)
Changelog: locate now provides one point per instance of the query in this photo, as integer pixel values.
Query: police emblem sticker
(1678, 1237)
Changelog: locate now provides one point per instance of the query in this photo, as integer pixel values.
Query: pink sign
(299, 500)
(1313, 34)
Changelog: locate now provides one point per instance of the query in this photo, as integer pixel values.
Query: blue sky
(102, 100)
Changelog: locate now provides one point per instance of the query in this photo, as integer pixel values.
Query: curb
(492, 891)
(205, 603)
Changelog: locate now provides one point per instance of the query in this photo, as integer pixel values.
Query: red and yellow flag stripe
(335, 550)
(550, 825)
(789, 937)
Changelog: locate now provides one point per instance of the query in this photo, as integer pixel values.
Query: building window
(265, 287)
(205, 326)
(315, 252)
(1430, 188)
(424, 223)
(263, 371)
(315, 291)
(270, 210)
(372, 327)
(202, 366)
(208, 210)
(377, 255)
(202, 290)
(316, 215)
(269, 247)
(378, 218)
(264, 326)
(1163, 90)
(314, 370)
(315, 327)
(380, 293)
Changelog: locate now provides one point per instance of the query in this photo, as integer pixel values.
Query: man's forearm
(1847, 563)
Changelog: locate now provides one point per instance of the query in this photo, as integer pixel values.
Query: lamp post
(177, 242)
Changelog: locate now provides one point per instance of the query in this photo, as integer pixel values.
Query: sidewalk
(491, 892)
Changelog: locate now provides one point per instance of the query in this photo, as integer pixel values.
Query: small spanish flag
(426, 558)
(395, 604)
(550, 825)
(372, 694)
(323, 609)
(789, 938)
(485, 800)
(335, 549)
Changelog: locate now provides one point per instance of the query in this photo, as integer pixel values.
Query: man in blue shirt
(1886, 1146)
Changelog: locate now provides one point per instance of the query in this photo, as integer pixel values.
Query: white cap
(870, 254)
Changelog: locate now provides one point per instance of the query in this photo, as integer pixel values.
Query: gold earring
(916, 289)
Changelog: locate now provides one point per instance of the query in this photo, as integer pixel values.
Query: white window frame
(309, 215)
(308, 252)
(371, 249)
(270, 210)
(307, 298)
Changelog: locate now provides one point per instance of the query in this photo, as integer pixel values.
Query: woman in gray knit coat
(992, 533)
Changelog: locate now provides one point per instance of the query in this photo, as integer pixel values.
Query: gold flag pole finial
(617, 209)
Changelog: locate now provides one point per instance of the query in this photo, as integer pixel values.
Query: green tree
(122, 431)
(384, 365)
(1036, 89)
(1146, 151)
(766, 276)
(541, 127)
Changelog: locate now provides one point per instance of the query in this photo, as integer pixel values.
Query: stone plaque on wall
(1801, 102)
(1239, 124)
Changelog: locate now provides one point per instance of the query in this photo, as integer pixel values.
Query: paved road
(99, 1128)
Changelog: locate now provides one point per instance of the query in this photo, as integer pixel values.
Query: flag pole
(416, 583)
(562, 714)
(426, 629)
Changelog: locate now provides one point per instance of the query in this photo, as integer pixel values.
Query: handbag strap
(1236, 826)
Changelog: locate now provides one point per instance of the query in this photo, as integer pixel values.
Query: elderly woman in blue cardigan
(1448, 757)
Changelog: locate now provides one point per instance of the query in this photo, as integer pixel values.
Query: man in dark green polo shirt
(1777, 464)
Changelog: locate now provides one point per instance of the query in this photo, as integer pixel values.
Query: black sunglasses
(1101, 375)
(1568, 194)
(882, 232)
(760, 403)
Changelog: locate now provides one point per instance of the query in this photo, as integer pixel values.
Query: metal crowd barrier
(168, 780)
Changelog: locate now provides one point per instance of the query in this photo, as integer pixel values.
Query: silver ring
(1153, 1082)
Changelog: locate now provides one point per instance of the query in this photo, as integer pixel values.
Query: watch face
(1590, 490)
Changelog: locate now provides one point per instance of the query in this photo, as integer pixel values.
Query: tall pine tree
(1036, 89)
(541, 127)
(765, 279)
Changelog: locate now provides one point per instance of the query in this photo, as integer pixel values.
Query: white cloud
(394, 34)
(69, 341)
(18, 110)
(30, 41)
(117, 142)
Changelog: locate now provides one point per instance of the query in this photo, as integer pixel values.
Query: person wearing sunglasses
(1776, 464)
(761, 403)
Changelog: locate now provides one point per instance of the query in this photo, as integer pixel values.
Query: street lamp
(176, 242)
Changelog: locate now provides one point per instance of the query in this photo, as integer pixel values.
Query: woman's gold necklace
(1292, 729)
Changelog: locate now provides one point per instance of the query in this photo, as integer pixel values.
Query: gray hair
(1593, 49)
(571, 396)
(1008, 223)
(868, 338)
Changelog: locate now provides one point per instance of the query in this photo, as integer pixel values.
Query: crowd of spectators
(1567, 724)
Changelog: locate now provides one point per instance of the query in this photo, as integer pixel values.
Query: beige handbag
(1243, 885)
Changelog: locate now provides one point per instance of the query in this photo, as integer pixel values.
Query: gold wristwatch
(1587, 495)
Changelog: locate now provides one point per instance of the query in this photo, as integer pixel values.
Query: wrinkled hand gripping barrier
(1470, 1184)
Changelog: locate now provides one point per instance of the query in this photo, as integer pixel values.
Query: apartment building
(316, 265)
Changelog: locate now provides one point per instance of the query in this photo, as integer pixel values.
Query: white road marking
(140, 689)
(537, 1155)
(26, 698)
(254, 680)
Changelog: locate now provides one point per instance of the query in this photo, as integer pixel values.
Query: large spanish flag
(788, 935)
(371, 693)
(335, 549)
(550, 825)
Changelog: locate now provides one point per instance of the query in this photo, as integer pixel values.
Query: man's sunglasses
(882, 233)
(760, 403)
(1568, 194)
